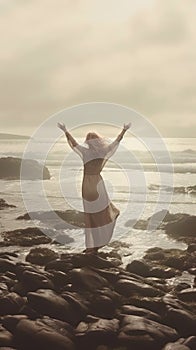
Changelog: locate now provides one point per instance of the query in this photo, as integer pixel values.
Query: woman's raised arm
(71, 141)
(114, 145)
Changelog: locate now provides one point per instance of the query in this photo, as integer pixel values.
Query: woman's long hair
(96, 142)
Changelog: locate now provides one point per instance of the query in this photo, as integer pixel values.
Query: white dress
(99, 212)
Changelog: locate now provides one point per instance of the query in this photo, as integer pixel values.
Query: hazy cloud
(141, 54)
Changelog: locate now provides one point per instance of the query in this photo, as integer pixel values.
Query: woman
(99, 212)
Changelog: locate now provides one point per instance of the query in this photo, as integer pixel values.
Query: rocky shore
(77, 301)
(74, 301)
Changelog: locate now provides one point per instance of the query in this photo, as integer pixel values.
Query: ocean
(136, 185)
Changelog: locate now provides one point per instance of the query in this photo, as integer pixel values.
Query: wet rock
(139, 267)
(6, 281)
(59, 278)
(192, 271)
(6, 338)
(129, 287)
(97, 332)
(10, 321)
(76, 302)
(182, 344)
(85, 278)
(188, 295)
(190, 342)
(41, 334)
(110, 276)
(140, 333)
(181, 286)
(182, 229)
(62, 265)
(41, 256)
(3, 289)
(6, 265)
(47, 302)
(182, 320)
(191, 248)
(138, 311)
(5, 205)
(175, 346)
(10, 168)
(71, 217)
(161, 272)
(25, 237)
(104, 303)
(154, 304)
(180, 226)
(34, 281)
(175, 258)
(82, 260)
(11, 304)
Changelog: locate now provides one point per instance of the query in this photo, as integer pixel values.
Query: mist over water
(67, 193)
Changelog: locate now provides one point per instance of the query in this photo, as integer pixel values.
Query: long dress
(100, 213)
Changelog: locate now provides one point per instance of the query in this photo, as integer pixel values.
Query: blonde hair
(96, 142)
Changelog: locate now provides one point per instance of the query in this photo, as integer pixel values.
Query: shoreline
(74, 301)
(78, 301)
(53, 298)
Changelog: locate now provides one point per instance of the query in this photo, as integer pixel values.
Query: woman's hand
(62, 126)
(126, 126)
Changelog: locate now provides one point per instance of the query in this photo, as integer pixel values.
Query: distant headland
(13, 136)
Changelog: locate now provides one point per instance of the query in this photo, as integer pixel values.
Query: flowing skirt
(99, 212)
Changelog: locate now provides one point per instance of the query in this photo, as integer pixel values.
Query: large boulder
(141, 333)
(43, 334)
(183, 229)
(98, 331)
(25, 237)
(70, 217)
(10, 168)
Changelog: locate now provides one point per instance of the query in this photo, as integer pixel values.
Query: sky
(57, 54)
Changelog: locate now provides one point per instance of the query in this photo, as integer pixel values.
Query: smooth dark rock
(88, 279)
(182, 320)
(41, 334)
(10, 321)
(6, 338)
(138, 311)
(182, 286)
(10, 168)
(183, 228)
(161, 272)
(102, 305)
(140, 333)
(191, 248)
(110, 276)
(127, 288)
(59, 265)
(83, 260)
(41, 256)
(97, 332)
(175, 346)
(34, 281)
(47, 302)
(11, 304)
(188, 295)
(191, 342)
(139, 267)
(59, 278)
(6, 265)
(25, 237)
